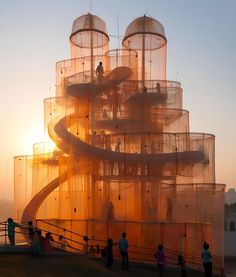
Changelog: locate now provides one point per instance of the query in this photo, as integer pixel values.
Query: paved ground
(230, 267)
(23, 265)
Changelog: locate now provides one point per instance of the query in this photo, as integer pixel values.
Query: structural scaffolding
(124, 156)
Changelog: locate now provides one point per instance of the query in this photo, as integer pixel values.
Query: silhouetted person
(30, 229)
(37, 243)
(47, 243)
(158, 87)
(104, 114)
(181, 263)
(160, 258)
(207, 260)
(117, 147)
(99, 73)
(109, 253)
(144, 90)
(11, 230)
(110, 211)
(123, 246)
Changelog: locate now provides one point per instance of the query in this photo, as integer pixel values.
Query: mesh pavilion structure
(124, 157)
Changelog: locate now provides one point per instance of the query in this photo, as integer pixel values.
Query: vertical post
(117, 58)
(91, 47)
(143, 52)
(5, 227)
(89, 114)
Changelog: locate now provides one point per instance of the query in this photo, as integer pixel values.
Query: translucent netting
(140, 207)
(89, 37)
(144, 28)
(117, 57)
(146, 36)
(86, 25)
(79, 69)
(151, 65)
(124, 159)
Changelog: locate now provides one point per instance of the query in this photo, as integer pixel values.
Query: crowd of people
(44, 245)
(39, 244)
(159, 255)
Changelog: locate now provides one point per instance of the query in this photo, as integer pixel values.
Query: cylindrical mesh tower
(147, 36)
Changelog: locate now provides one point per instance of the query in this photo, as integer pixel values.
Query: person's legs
(160, 267)
(205, 269)
(209, 269)
(12, 240)
(127, 260)
(183, 273)
(123, 258)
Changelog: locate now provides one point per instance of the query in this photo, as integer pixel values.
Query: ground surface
(24, 265)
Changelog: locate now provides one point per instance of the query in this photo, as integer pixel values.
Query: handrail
(59, 227)
(168, 249)
(69, 231)
(135, 249)
(141, 253)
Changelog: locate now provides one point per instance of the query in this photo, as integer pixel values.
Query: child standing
(160, 257)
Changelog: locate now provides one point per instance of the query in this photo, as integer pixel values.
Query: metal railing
(79, 244)
(82, 244)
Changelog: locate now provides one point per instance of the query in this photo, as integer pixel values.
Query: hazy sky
(201, 55)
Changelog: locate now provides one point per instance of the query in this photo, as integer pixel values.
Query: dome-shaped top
(152, 29)
(86, 25)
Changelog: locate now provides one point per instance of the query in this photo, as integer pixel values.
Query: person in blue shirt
(207, 260)
(11, 230)
(123, 246)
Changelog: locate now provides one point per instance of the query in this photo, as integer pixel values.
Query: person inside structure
(99, 73)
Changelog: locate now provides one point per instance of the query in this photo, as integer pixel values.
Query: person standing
(160, 257)
(99, 73)
(31, 229)
(123, 246)
(207, 260)
(11, 230)
(109, 253)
